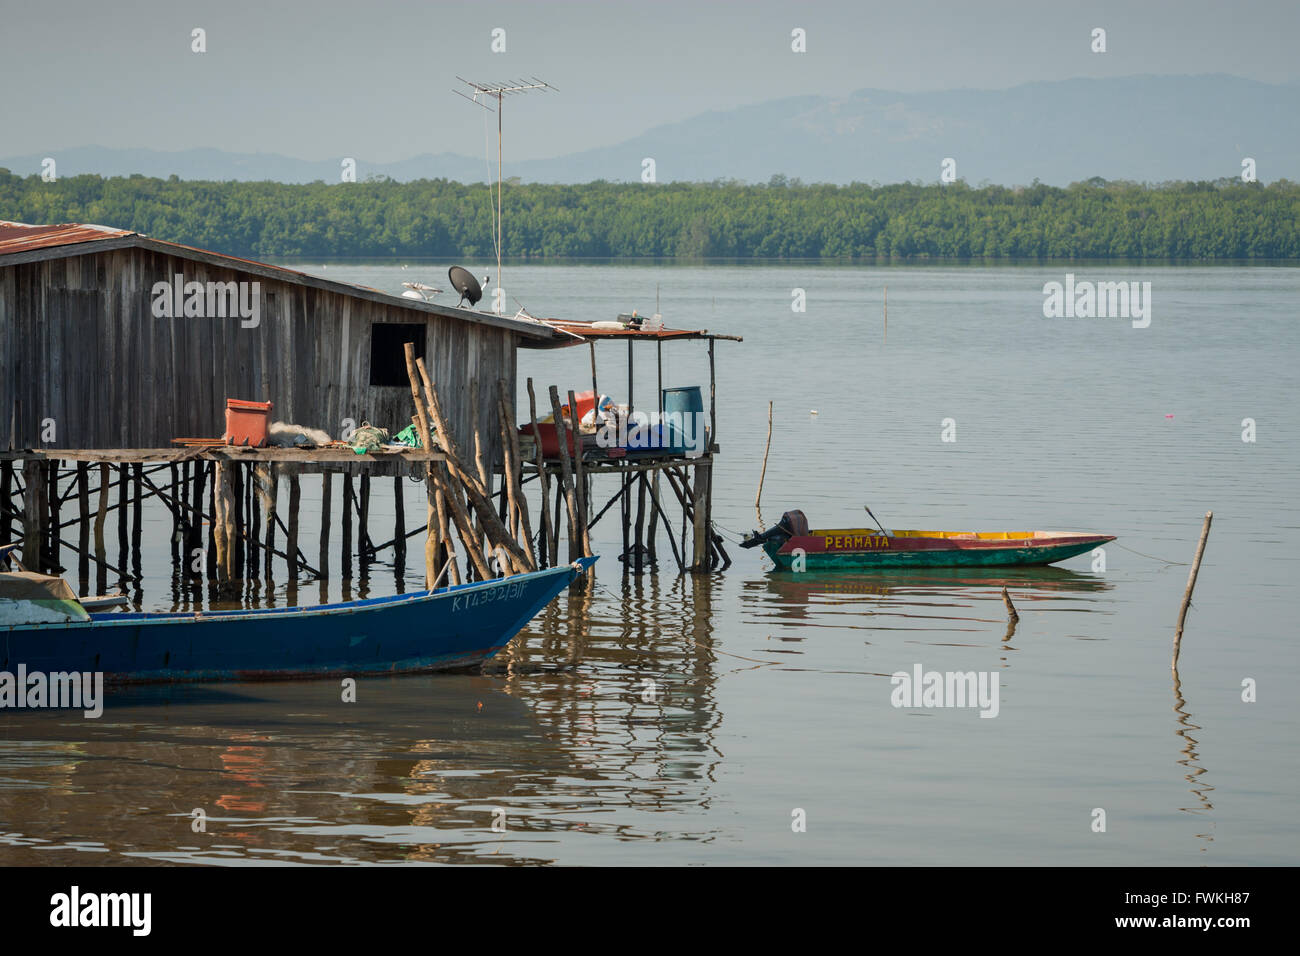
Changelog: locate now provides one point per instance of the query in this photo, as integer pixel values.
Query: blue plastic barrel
(684, 419)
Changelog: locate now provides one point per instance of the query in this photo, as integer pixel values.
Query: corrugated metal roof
(24, 237)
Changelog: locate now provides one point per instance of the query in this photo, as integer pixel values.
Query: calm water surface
(773, 692)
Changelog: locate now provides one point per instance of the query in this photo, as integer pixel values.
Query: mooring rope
(739, 537)
(1151, 556)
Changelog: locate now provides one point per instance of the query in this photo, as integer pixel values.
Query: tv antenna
(482, 95)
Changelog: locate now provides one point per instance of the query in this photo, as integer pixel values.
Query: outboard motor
(793, 524)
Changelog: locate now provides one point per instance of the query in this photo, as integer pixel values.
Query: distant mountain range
(1143, 128)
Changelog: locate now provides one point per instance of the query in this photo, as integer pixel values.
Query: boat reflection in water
(935, 594)
(597, 730)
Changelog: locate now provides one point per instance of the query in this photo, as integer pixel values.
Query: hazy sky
(373, 78)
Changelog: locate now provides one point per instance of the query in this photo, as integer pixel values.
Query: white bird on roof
(418, 290)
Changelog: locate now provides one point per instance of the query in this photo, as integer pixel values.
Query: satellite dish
(463, 281)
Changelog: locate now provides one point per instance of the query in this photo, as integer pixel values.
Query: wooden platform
(310, 459)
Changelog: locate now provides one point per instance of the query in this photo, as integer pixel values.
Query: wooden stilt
(194, 542)
(638, 538)
(211, 564)
(550, 543)
(448, 552)
(32, 515)
(652, 551)
(715, 540)
(242, 525)
(559, 515)
(137, 522)
(123, 496)
(6, 500)
(658, 507)
(700, 552)
(268, 485)
(223, 518)
(178, 519)
(101, 567)
(83, 526)
(347, 526)
(686, 511)
(514, 470)
(52, 522)
(579, 478)
(291, 537)
(566, 473)
(363, 523)
(399, 522)
(625, 510)
(505, 514)
(435, 525)
(326, 506)
(712, 440)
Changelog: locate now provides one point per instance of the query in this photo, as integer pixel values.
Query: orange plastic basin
(246, 422)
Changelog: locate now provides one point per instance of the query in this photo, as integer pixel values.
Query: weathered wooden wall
(79, 344)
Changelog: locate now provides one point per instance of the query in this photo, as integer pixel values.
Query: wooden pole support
(512, 456)
(566, 473)
(580, 484)
(291, 535)
(496, 532)
(700, 550)
(549, 542)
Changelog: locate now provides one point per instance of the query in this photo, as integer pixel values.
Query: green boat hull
(939, 558)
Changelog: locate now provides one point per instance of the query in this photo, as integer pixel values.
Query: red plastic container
(246, 422)
(586, 401)
(550, 440)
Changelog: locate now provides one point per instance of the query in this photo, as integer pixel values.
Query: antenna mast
(499, 91)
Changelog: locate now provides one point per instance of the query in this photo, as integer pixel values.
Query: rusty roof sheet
(24, 237)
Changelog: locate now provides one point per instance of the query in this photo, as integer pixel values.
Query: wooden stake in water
(1012, 615)
(886, 315)
(766, 448)
(1191, 584)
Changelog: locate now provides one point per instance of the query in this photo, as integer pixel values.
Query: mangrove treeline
(1226, 219)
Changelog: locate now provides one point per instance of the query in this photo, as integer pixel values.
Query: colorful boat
(793, 546)
(447, 629)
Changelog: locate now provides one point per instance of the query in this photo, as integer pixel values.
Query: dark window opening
(388, 355)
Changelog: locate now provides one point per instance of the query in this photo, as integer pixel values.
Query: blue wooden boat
(447, 629)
